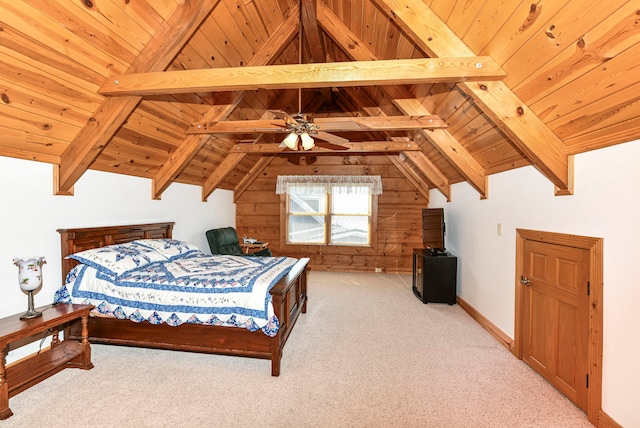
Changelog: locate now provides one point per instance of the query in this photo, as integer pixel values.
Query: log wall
(399, 215)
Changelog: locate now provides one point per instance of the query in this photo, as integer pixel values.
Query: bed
(288, 298)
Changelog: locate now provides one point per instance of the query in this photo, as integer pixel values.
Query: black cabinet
(434, 276)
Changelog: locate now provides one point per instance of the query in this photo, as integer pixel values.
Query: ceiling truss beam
(327, 124)
(227, 101)
(311, 31)
(294, 76)
(225, 168)
(315, 42)
(111, 114)
(417, 181)
(229, 163)
(430, 172)
(433, 174)
(406, 102)
(364, 147)
(249, 177)
(531, 135)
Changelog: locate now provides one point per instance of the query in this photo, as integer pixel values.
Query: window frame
(369, 248)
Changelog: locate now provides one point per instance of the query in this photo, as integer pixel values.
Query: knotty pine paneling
(506, 165)
(570, 24)
(23, 145)
(490, 148)
(627, 131)
(399, 227)
(572, 62)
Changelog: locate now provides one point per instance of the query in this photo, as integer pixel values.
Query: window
(326, 210)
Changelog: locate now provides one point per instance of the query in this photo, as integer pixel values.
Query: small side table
(62, 354)
(251, 248)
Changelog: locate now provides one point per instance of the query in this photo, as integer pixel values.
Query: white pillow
(118, 259)
(169, 248)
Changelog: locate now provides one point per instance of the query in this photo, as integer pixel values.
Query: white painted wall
(30, 215)
(605, 204)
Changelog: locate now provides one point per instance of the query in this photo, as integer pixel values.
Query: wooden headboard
(75, 240)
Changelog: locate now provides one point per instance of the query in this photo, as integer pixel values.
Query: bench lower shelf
(33, 369)
(28, 372)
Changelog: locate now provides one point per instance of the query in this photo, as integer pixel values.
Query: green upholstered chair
(224, 240)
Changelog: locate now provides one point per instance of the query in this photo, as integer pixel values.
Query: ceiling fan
(301, 128)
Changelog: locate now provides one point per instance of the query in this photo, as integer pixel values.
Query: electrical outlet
(378, 270)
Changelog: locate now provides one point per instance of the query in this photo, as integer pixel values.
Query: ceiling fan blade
(279, 114)
(330, 141)
(330, 146)
(330, 138)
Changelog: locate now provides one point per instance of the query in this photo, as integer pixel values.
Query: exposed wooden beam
(364, 147)
(228, 101)
(348, 104)
(311, 31)
(189, 147)
(89, 142)
(293, 76)
(327, 124)
(111, 114)
(411, 175)
(402, 98)
(246, 181)
(420, 182)
(314, 39)
(532, 136)
(365, 104)
(229, 163)
(569, 189)
(525, 129)
(429, 170)
(224, 169)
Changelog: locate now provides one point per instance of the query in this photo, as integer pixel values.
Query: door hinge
(588, 288)
(587, 380)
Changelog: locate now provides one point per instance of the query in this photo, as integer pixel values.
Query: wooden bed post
(276, 356)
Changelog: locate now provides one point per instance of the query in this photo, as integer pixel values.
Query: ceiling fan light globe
(291, 141)
(307, 141)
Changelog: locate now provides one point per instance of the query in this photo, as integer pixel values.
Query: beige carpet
(366, 354)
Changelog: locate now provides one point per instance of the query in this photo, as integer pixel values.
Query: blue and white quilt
(169, 281)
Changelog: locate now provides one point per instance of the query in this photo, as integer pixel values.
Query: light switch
(499, 229)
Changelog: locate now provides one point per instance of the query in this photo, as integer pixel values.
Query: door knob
(524, 280)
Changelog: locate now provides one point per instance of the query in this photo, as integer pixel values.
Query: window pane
(350, 229)
(350, 200)
(307, 199)
(306, 229)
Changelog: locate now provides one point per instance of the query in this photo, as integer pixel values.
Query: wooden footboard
(289, 301)
(289, 298)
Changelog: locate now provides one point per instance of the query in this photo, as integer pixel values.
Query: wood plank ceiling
(119, 86)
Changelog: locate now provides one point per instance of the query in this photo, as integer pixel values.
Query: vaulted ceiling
(129, 86)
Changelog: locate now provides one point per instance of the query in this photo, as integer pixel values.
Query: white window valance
(327, 182)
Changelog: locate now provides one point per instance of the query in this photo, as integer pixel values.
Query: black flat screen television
(433, 229)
